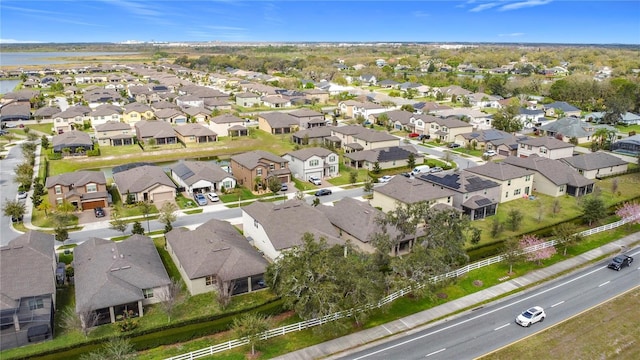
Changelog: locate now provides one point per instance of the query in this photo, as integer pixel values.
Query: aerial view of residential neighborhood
(319, 180)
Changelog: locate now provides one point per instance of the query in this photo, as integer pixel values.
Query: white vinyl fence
(388, 299)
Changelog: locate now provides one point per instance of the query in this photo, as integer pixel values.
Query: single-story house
(161, 132)
(115, 279)
(314, 135)
(194, 134)
(629, 145)
(402, 190)
(201, 176)
(277, 123)
(596, 165)
(74, 140)
(215, 255)
(386, 158)
(228, 125)
(145, 183)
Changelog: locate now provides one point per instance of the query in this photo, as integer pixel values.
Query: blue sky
(548, 21)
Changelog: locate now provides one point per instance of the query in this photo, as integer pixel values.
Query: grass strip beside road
(608, 331)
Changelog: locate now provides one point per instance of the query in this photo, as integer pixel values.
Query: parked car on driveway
(323, 192)
(21, 195)
(98, 212)
(454, 146)
(284, 187)
(315, 180)
(531, 316)
(213, 197)
(200, 199)
(385, 178)
(435, 169)
(490, 153)
(619, 262)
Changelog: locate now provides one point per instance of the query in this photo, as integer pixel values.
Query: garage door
(92, 204)
(163, 196)
(503, 152)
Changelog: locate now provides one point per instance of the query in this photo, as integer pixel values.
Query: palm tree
(601, 136)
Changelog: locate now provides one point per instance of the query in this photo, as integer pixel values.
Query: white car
(213, 197)
(21, 195)
(531, 316)
(385, 178)
(490, 153)
(315, 181)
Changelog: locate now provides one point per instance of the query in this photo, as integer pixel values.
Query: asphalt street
(486, 328)
(8, 191)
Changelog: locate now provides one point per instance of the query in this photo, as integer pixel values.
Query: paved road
(484, 329)
(8, 191)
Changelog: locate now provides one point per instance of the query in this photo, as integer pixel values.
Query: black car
(620, 261)
(99, 212)
(323, 192)
(454, 145)
(406, 174)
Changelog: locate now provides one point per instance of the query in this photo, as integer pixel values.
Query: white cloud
(523, 4)
(137, 8)
(515, 34)
(484, 6)
(14, 41)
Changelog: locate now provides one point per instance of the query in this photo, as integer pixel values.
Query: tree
(14, 209)
(257, 183)
(45, 206)
(353, 176)
(506, 118)
(368, 185)
(629, 210)
(224, 291)
(169, 297)
(117, 222)
(83, 321)
(146, 208)
(168, 215)
(593, 209)
(496, 227)
(316, 279)
(38, 192)
(137, 228)
(274, 185)
(512, 253)
(411, 161)
(23, 174)
(514, 219)
(566, 234)
(537, 255)
(376, 168)
(116, 348)
(250, 326)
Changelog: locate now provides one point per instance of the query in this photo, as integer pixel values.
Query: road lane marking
(435, 352)
(556, 304)
(604, 283)
(500, 327)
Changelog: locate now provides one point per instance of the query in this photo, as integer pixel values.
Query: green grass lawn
(43, 128)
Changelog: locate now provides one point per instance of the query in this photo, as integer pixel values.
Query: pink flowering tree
(538, 255)
(629, 209)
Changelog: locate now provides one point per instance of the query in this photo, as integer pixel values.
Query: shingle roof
(137, 107)
(226, 119)
(499, 170)
(251, 159)
(141, 178)
(305, 113)
(215, 248)
(391, 153)
(546, 141)
(306, 153)
(106, 110)
(73, 137)
(410, 191)
(593, 161)
(109, 273)
(113, 125)
(77, 178)
(47, 111)
(462, 182)
(556, 171)
(279, 119)
(569, 127)
(26, 268)
(194, 130)
(154, 128)
(193, 171)
(286, 223)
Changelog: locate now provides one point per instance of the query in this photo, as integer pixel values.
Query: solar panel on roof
(483, 202)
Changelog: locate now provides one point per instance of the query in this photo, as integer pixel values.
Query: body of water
(8, 85)
(48, 58)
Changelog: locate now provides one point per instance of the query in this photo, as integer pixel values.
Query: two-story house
(83, 188)
(248, 99)
(104, 113)
(72, 118)
(546, 147)
(308, 118)
(252, 169)
(356, 138)
(201, 176)
(228, 125)
(114, 133)
(515, 182)
(135, 112)
(316, 161)
(445, 129)
(402, 190)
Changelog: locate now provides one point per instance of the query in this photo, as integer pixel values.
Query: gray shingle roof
(109, 273)
(113, 125)
(546, 141)
(71, 138)
(77, 178)
(155, 128)
(306, 153)
(384, 154)
(194, 130)
(462, 182)
(251, 159)
(556, 171)
(593, 161)
(569, 127)
(410, 191)
(215, 248)
(305, 113)
(286, 223)
(279, 119)
(26, 268)
(499, 170)
(141, 178)
(194, 171)
(313, 133)
(226, 119)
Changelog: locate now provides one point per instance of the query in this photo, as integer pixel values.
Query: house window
(59, 201)
(255, 223)
(58, 189)
(448, 199)
(506, 194)
(562, 188)
(272, 166)
(516, 192)
(521, 146)
(527, 178)
(528, 147)
(543, 150)
(259, 171)
(210, 280)
(35, 304)
(147, 293)
(92, 188)
(332, 158)
(282, 166)
(509, 183)
(314, 162)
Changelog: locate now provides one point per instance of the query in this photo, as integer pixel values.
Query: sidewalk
(341, 346)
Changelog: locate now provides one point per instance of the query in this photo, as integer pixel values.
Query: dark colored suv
(620, 261)
(98, 212)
